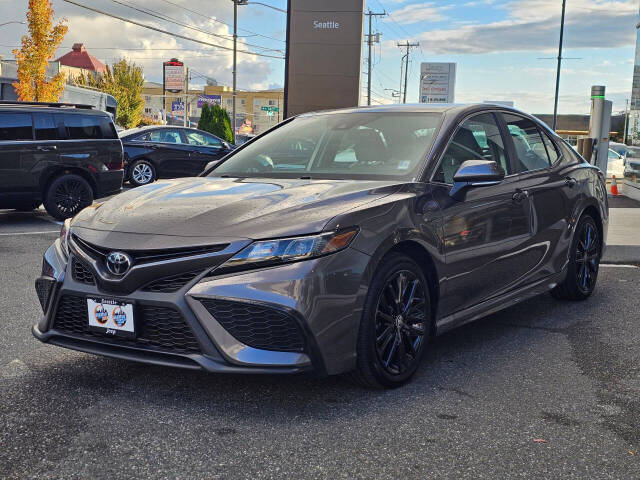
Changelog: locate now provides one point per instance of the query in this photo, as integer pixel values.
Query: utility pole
(626, 119)
(555, 104)
(185, 123)
(370, 42)
(406, 45)
(235, 54)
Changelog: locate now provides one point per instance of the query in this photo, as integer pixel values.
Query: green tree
(215, 119)
(125, 82)
(204, 123)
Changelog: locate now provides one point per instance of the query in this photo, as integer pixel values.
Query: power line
(167, 32)
(220, 21)
(167, 18)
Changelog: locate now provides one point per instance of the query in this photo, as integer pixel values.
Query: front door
(204, 149)
(481, 232)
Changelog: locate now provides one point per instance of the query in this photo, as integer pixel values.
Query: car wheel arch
(53, 174)
(415, 250)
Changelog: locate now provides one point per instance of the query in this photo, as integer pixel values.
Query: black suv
(61, 155)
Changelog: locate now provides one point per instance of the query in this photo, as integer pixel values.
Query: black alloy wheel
(395, 326)
(587, 258)
(584, 262)
(67, 195)
(400, 322)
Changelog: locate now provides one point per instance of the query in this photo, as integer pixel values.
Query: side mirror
(475, 173)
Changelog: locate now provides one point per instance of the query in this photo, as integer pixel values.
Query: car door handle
(46, 148)
(520, 195)
(570, 182)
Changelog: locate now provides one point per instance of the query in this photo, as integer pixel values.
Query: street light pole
(555, 104)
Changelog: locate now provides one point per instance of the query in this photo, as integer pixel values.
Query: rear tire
(395, 325)
(584, 262)
(141, 172)
(67, 195)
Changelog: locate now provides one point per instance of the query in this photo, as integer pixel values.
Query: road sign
(269, 109)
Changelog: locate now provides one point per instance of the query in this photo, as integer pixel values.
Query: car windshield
(371, 145)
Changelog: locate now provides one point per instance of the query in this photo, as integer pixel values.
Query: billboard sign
(437, 82)
(324, 55)
(209, 100)
(173, 75)
(177, 108)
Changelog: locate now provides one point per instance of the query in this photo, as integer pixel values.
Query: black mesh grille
(81, 272)
(157, 328)
(256, 325)
(170, 284)
(43, 289)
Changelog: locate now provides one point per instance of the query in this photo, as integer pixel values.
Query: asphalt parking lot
(546, 389)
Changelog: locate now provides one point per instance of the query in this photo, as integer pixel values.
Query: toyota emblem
(118, 263)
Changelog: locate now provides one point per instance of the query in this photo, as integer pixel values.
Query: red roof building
(78, 57)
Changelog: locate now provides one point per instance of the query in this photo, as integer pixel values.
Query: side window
(165, 135)
(15, 126)
(108, 128)
(478, 138)
(82, 127)
(145, 137)
(552, 150)
(198, 138)
(531, 153)
(44, 126)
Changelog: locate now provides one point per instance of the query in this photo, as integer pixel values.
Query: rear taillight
(116, 162)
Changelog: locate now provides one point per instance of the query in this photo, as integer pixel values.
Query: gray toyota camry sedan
(336, 242)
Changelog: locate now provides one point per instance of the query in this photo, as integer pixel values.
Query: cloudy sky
(500, 46)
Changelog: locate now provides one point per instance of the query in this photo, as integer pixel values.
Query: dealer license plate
(111, 317)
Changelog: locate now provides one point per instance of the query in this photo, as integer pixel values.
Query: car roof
(48, 108)
(137, 130)
(449, 108)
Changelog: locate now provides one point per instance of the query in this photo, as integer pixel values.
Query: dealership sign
(209, 99)
(437, 82)
(173, 75)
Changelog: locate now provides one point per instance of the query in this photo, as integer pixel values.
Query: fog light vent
(44, 287)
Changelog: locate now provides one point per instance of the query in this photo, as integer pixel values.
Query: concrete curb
(622, 254)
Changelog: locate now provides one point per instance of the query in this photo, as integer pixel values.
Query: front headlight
(286, 250)
(64, 236)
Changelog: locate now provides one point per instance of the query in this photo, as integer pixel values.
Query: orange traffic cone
(614, 186)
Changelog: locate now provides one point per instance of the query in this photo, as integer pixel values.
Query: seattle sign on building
(324, 47)
(437, 82)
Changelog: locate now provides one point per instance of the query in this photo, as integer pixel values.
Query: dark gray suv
(338, 241)
(61, 155)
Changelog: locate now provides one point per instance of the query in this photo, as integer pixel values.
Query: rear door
(545, 193)
(204, 149)
(171, 153)
(479, 235)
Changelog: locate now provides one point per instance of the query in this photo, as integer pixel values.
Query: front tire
(67, 195)
(584, 262)
(141, 173)
(395, 325)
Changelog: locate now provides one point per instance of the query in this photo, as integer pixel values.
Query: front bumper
(323, 297)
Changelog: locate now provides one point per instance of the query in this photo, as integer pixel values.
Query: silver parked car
(338, 241)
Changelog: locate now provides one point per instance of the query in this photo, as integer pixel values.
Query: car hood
(230, 208)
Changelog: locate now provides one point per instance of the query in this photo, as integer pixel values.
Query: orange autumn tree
(37, 49)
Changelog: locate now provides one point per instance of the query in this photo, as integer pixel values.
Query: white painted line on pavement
(29, 233)
(613, 265)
